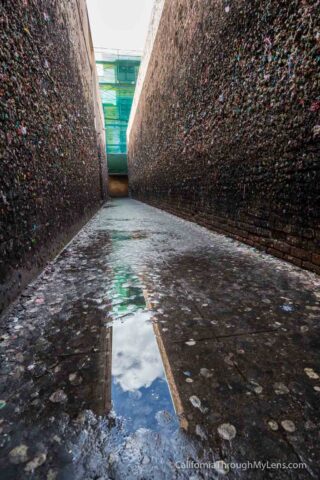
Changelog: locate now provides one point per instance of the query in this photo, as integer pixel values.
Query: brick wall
(226, 131)
(51, 139)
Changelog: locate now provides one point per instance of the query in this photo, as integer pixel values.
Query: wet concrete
(151, 342)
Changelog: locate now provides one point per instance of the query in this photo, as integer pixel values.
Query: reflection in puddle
(140, 393)
(120, 236)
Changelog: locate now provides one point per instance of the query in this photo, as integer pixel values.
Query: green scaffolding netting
(117, 81)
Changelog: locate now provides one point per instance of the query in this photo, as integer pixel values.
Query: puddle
(140, 392)
(94, 383)
(123, 235)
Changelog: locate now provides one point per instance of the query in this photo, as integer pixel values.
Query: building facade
(226, 132)
(53, 166)
(117, 74)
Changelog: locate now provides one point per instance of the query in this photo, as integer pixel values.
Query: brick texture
(53, 172)
(226, 132)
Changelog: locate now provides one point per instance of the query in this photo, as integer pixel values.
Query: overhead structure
(117, 74)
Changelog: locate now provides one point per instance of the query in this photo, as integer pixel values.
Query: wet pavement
(151, 343)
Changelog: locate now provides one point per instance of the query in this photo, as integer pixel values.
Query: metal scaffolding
(117, 74)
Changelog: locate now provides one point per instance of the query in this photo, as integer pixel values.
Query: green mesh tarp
(117, 81)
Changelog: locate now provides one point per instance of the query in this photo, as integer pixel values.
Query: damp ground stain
(144, 347)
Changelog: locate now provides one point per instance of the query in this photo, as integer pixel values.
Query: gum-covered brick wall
(227, 128)
(53, 167)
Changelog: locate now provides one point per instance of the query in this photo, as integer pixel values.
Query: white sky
(121, 24)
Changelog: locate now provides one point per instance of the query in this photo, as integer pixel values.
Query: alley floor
(151, 343)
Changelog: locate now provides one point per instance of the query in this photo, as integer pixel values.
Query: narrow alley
(226, 348)
(159, 240)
